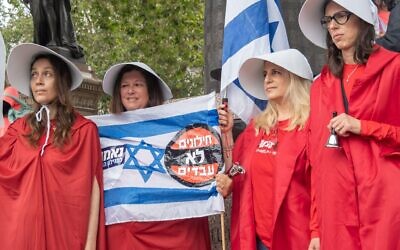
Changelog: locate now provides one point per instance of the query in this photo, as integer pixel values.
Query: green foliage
(166, 35)
(16, 23)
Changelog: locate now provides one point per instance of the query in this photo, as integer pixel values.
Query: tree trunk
(214, 18)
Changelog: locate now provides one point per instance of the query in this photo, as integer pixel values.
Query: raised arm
(224, 182)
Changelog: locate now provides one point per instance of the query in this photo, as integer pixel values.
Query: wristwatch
(235, 170)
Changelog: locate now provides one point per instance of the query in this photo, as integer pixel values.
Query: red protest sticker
(194, 156)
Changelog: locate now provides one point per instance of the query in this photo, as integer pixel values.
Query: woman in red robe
(271, 201)
(50, 161)
(355, 186)
(135, 86)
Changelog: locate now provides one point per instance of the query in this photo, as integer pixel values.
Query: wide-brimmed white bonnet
(112, 73)
(19, 66)
(313, 10)
(251, 72)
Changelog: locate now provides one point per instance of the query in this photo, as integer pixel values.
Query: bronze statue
(53, 25)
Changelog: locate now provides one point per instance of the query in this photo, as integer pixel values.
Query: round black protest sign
(193, 157)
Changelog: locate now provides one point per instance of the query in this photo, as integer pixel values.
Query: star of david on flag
(252, 27)
(150, 163)
(134, 161)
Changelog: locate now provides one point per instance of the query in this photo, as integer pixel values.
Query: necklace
(351, 73)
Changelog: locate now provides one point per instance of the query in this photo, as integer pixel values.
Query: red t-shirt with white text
(262, 178)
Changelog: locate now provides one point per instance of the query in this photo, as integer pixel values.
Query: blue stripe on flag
(277, 2)
(273, 27)
(250, 24)
(261, 104)
(136, 195)
(159, 126)
(254, 22)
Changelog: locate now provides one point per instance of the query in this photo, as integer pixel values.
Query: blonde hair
(298, 97)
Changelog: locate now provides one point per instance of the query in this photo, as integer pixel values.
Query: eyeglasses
(340, 17)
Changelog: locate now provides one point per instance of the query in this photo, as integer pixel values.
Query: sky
(5, 3)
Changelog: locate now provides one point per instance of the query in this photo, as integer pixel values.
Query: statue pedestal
(66, 52)
(86, 98)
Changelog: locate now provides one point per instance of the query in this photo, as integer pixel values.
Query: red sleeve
(97, 169)
(313, 214)
(314, 229)
(381, 132)
(91, 154)
(9, 138)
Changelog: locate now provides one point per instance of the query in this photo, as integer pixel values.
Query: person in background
(391, 39)
(13, 108)
(355, 185)
(134, 86)
(271, 201)
(383, 11)
(50, 161)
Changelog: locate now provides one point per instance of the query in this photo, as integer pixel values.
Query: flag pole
(222, 230)
(224, 101)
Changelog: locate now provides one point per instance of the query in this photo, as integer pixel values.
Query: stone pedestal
(86, 98)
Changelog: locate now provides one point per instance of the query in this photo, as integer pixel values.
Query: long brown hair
(65, 116)
(364, 47)
(153, 89)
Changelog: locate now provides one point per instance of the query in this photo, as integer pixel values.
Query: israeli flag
(252, 27)
(159, 163)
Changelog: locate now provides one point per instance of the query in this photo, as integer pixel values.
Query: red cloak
(356, 189)
(291, 211)
(181, 234)
(45, 200)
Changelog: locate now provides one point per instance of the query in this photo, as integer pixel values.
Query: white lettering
(197, 142)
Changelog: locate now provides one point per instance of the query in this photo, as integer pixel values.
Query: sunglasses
(340, 18)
